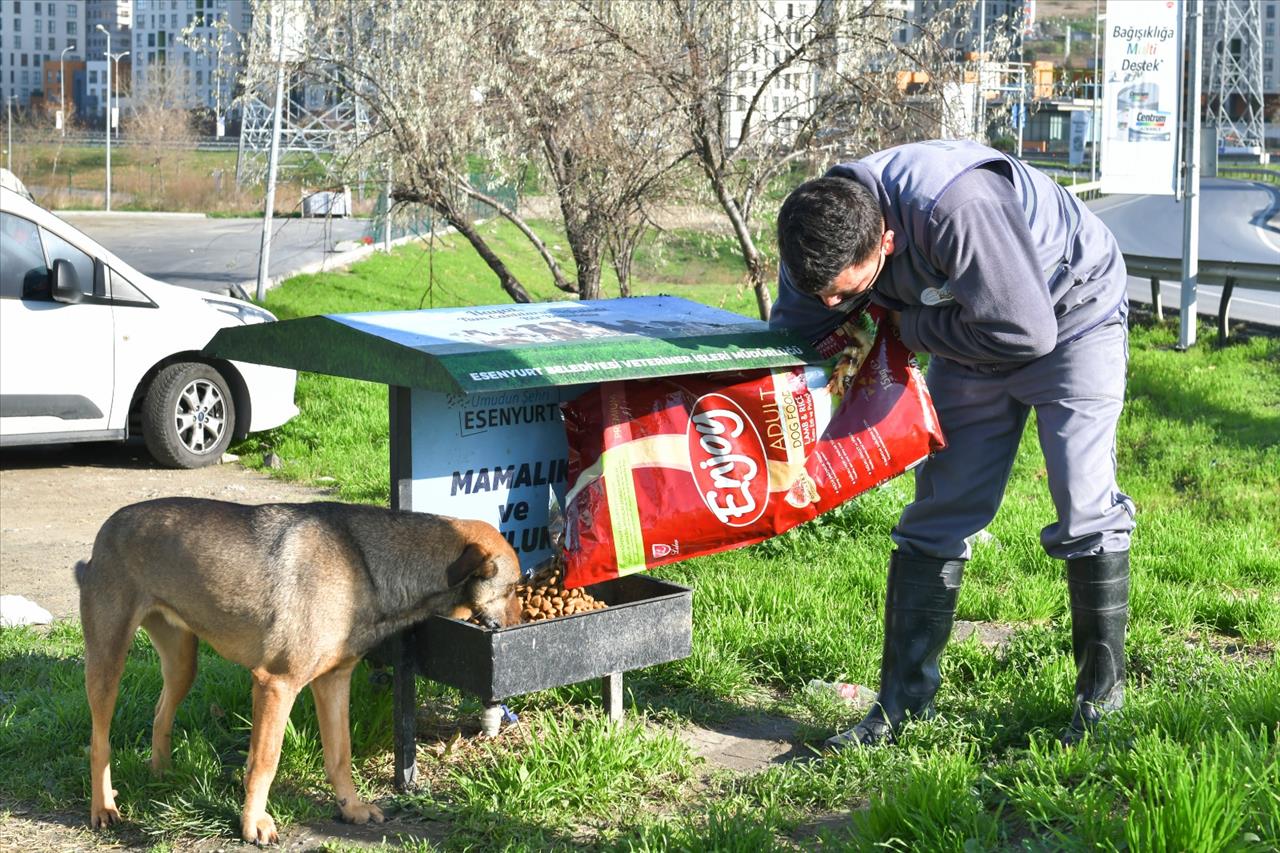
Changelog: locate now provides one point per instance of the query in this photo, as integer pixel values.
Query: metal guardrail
(98, 140)
(1086, 191)
(1226, 273)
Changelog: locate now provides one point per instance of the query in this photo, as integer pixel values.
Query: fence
(418, 220)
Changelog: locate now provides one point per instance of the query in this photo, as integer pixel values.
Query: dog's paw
(260, 830)
(100, 817)
(362, 813)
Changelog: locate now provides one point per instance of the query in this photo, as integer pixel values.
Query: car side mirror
(66, 282)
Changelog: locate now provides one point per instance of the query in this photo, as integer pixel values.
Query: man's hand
(896, 317)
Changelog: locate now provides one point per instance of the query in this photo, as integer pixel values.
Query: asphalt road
(1239, 220)
(213, 254)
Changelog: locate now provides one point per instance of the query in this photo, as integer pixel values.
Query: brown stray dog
(297, 593)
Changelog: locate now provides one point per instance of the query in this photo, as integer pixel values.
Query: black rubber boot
(1099, 587)
(920, 606)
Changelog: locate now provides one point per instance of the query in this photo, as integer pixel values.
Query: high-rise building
(1271, 48)
(192, 48)
(116, 17)
(783, 104)
(987, 19)
(33, 32)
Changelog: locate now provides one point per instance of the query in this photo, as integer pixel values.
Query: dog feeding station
(476, 432)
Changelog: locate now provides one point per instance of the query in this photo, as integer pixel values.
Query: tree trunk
(512, 217)
(587, 250)
(747, 246)
(589, 269)
(439, 201)
(622, 266)
(622, 251)
(509, 282)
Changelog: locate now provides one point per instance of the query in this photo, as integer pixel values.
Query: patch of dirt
(991, 635)
(748, 743)
(23, 828)
(1236, 649)
(54, 499)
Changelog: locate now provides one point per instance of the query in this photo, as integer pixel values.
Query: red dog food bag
(663, 470)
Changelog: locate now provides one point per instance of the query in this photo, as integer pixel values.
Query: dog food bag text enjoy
(664, 470)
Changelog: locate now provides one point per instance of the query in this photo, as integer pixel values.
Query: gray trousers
(1077, 392)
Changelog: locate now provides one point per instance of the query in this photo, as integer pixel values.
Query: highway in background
(1239, 221)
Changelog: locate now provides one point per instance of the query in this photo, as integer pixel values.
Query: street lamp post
(1094, 137)
(8, 104)
(116, 57)
(104, 31)
(62, 85)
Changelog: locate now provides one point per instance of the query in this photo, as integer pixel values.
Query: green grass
(1193, 763)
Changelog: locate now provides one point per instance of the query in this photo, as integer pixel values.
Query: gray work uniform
(1018, 292)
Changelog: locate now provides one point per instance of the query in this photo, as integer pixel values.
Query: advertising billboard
(1140, 96)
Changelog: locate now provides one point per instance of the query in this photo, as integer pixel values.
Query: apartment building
(94, 101)
(195, 47)
(1271, 48)
(114, 16)
(770, 24)
(33, 32)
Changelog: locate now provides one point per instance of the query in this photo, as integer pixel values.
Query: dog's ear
(474, 561)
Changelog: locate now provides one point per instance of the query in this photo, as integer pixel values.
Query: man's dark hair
(824, 226)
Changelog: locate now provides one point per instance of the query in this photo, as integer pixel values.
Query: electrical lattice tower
(1233, 83)
(313, 125)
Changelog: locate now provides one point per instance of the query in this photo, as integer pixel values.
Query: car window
(58, 248)
(23, 273)
(122, 290)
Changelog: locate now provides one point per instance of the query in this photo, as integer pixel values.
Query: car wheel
(188, 416)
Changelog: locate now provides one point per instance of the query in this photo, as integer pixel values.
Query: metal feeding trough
(648, 621)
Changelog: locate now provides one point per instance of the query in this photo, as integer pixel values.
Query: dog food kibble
(542, 597)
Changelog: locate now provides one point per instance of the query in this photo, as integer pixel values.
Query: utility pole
(1191, 174)
(1094, 136)
(1022, 102)
(8, 123)
(104, 31)
(116, 57)
(264, 253)
(982, 68)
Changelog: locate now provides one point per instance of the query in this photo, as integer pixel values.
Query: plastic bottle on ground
(854, 693)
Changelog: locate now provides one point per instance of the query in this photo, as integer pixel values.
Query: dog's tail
(82, 571)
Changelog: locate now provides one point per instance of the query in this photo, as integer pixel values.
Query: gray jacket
(993, 265)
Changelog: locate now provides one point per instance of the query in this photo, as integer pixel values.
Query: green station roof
(518, 346)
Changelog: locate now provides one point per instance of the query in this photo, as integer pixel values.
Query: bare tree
(757, 91)
(159, 125)
(424, 99)
(505, 84)
(604, 135)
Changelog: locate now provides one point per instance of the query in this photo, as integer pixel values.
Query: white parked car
(92, 350)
